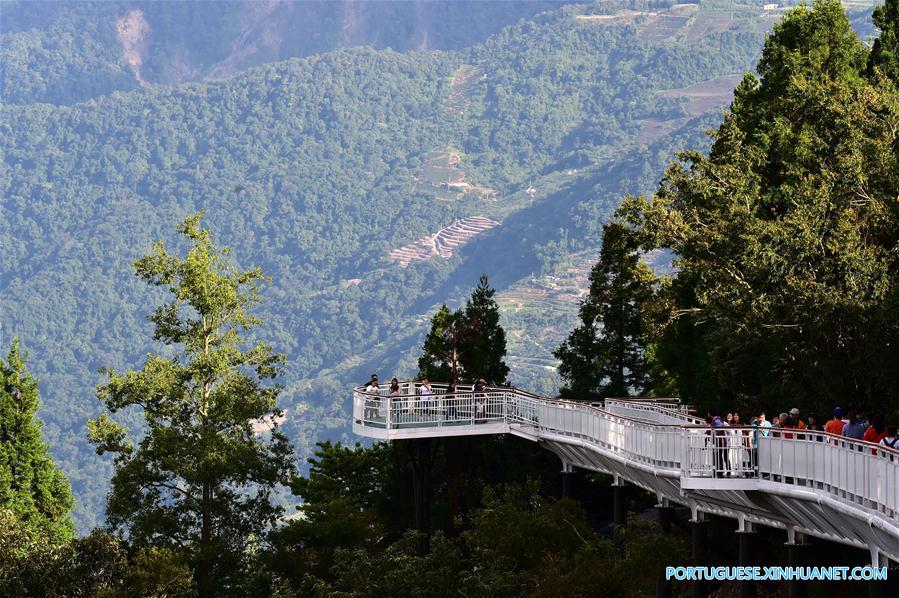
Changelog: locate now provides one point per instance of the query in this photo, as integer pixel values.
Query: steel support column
(748, 539)
(699, 537)
(797, 556)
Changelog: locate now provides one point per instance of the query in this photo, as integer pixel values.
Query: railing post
(389, 412)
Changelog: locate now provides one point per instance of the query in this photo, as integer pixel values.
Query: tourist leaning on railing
(891, 438)
(855, 428)
(371, 404)
(424, 395)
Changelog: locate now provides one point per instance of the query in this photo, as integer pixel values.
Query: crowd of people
(852, 424)
(429, 401)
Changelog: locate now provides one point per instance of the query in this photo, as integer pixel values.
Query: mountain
(63, 53)
(370, 184)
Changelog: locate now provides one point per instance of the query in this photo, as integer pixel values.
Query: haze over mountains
(494, 137)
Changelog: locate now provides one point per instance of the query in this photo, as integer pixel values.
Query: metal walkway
(813, 483)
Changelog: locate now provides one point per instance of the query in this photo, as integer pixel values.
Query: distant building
(769, 7)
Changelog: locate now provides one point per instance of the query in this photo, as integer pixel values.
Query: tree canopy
(605, 356)
(202, 476)
(32, 488)
(786, 233)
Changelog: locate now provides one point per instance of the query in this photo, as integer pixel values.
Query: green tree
(468, 343)
(201, 478)
(483, 346)
(31, 486)
(885, 52)
(786, 231)
(439, 359)
(605, 355)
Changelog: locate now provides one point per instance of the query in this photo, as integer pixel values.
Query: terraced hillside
(444, 242)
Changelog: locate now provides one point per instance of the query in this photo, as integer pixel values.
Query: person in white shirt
(374, 399)
(425, 393)
(891, 439)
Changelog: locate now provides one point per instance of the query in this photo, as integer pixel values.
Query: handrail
(698, 422)
(845, 475)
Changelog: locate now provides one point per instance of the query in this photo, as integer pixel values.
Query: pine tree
(468, 343)
(484, 340)
(605, 355)
(786, 232)
(201, 478)
(439, 359)
(885, 52)
(31, 486)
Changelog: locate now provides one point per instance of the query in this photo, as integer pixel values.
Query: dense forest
(63, 53)
(317, 168)
(784, 284)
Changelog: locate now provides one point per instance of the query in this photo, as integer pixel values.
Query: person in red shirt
(877, 431)
(797, 423)
(787, 423)
(835, 426)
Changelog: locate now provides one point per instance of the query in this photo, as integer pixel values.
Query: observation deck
(814, 483)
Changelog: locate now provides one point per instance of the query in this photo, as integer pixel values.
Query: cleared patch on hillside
(652, 129)
(133, 33)
(440, 176)
(568, 286)
(444, 242)
(686, 23)
(463, 86)
(706, 95)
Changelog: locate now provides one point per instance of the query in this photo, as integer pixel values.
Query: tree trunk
(421, 490)
(204, 569)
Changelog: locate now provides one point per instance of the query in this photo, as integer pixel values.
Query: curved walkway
(814, 483)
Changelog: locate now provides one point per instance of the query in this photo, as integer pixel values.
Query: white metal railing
(844, 468)
(724, 452)
(661, 411)
(656, 435)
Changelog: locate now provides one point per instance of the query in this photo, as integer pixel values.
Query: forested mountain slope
(316, 169)
(66, 52)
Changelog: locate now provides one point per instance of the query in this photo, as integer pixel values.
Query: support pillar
(699, 537)
(619, 508)
(569, 480)
(421, 490)
(797, 556)
(748, 540)
(882, 589)
(666, 514)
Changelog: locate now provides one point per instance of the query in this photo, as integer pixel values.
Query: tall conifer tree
(484, 342)
(787, 231)
(885, 52)
(201, 478)
(31, 486)
(605, 355)
(468, 343)
(439, 359)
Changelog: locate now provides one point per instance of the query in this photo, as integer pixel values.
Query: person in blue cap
(835, 426)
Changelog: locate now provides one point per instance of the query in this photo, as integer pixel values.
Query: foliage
(352, 498)
(515, 543)
(32, 488)
(466, 344)
(483, 346)
(439, 359)
(786, 233)
(605, 356)
(201, 479)
(885, 52)
(309, 166)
